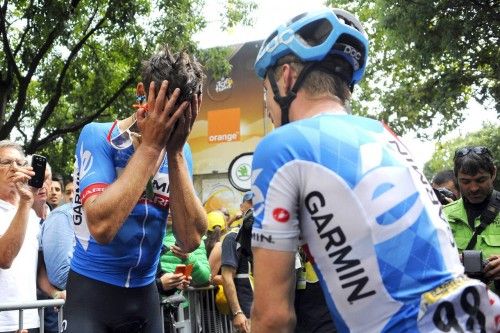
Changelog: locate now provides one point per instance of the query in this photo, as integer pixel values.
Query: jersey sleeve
(94, 157)
(188, 155)
(276, 184)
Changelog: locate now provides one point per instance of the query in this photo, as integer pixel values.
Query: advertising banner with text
(232, 119)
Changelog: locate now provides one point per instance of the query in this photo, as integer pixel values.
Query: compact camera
(474, 264)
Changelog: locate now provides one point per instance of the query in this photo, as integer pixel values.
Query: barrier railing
(40, 305)
(201, 314)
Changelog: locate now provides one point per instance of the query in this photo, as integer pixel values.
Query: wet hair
(472, 163)
(180, 69)
(445, 176)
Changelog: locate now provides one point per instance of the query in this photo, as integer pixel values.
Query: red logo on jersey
(281, 215)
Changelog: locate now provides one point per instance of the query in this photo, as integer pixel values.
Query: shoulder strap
(487, 217)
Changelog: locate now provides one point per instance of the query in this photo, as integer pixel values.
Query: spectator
(69, 191)
(310, 306)
(58, 239)
(140, 167)
(226, 213)
(216, 224)
(346, 189)
(475, 170)
(236, 268)
(56, 191)
(20, 266)
(445, 185)
(174, 256)
(213, 244)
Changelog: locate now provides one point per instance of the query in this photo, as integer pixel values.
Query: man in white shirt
(19, 239)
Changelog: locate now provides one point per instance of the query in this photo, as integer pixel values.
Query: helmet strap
(285, 101)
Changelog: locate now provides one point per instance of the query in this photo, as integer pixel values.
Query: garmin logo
(350, 272)
(228, 137)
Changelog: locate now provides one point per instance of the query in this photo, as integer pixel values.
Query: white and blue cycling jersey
(348, 190)
(131, 258)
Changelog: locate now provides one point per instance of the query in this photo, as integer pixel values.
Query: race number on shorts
(460, 305)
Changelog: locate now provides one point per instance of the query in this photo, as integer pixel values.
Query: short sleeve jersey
(347, 188)
(131, 258)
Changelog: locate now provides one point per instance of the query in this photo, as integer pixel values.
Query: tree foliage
(64, 64)
(428, 59)
(488, 136)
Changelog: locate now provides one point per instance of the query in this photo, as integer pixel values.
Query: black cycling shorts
(96, 307)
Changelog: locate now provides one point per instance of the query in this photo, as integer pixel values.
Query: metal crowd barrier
(40, 305)
(201, 314)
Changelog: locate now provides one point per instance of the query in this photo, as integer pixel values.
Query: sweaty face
(476, 189)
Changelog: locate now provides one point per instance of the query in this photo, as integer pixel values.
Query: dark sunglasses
(476, 150)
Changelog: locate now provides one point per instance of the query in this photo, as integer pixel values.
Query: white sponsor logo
(285, 37)
(86, 162)
(227, 137)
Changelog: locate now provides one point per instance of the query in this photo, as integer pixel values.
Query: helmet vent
(315, 33)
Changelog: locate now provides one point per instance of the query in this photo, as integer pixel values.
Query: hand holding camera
(475, 265)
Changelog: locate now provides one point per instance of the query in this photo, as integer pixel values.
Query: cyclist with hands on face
(128, 174)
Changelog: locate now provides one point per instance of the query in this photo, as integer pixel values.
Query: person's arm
(57, 245)
(190, 219)
(201, 268)
(240, 321)
(272, 309)
(107, 211)
(214, 260)
(13, 238)
(43, 281)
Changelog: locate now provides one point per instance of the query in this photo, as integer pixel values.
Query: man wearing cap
(236, 267)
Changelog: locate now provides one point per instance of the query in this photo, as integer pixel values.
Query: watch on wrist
(159, 285)
(237, 313)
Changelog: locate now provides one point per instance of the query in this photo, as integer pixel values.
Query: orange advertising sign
(223, 125)
(232, 119)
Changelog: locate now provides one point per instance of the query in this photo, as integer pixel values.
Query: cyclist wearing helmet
(347, 190)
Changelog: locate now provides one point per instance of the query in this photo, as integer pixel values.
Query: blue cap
(248, 196)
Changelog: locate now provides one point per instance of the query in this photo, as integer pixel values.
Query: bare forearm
(107, 211)
(272, 309)
(230, 292)
(13, 238)
(188, 214)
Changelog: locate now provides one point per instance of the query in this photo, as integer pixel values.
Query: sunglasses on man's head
(476, 150)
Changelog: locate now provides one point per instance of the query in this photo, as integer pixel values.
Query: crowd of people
(340, 231)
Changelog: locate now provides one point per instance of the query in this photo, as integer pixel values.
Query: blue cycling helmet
(314, 35)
